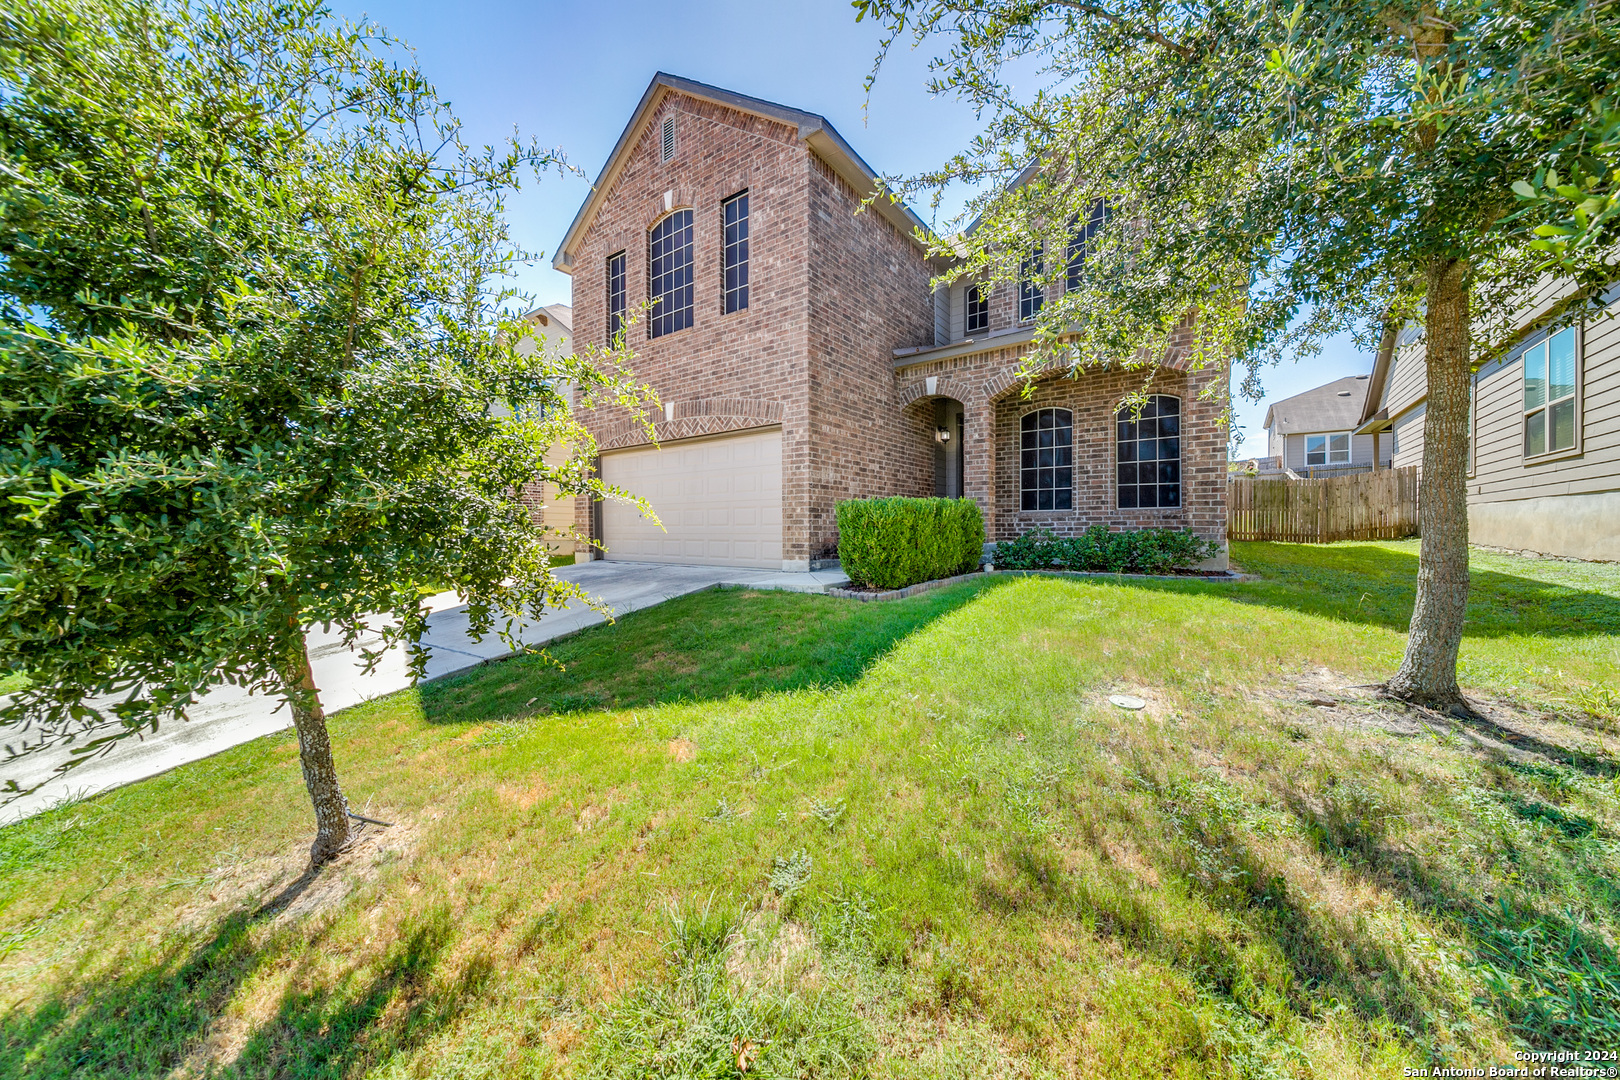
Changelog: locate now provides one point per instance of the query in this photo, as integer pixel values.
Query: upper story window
(977, 300)
(1150, 454)
(734, 259)
(1551, 377)
(669, 274)
(1082, 237)
(667, 141)
(1046, 459)
(1327, 449)
(615, 294)
(1030, 294)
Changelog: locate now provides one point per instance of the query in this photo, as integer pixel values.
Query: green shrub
(1144, 551)
(892, 543)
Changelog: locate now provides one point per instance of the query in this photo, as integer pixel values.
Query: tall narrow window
(1030, 294)
(615, 294)
(1082, 238)
(977, 300)
(668, 135)
(669, 273)
(1549, 395)
(1150, 454)
(734, 217)
(1046, 459)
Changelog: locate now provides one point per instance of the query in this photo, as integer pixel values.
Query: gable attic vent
(669, 137)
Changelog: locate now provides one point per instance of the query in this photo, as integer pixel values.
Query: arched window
(1150, 454)
(1046, 451)
(978, 309)
(669, 273)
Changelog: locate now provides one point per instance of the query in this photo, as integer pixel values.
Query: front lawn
(908, 839)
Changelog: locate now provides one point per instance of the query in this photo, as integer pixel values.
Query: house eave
(928, 354)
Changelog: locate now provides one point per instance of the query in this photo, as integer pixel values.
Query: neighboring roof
(1335, 406)
(813, 130)
(559, 313)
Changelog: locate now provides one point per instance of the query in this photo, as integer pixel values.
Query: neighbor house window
(1150, 454)
(734, 219)
(1327, 449)
(615, 294)
(978, 309)
(1030, 296)
(1549, 394)
(1046, 449)
(1082, 238)
(669, 258)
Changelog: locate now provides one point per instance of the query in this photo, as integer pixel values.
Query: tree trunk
(1428, 672)
(332, 832)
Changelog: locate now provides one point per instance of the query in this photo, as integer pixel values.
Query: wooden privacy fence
(1379, 505)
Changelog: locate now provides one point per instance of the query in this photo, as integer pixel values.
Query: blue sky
(570, 73)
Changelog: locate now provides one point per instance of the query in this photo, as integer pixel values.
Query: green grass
(900, 839)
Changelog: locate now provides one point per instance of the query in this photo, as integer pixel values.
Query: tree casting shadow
(157, 1014)
(703, 647)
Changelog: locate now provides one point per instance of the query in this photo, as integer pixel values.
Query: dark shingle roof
(1335, 406)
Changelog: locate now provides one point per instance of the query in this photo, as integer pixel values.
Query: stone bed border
(1228, 578)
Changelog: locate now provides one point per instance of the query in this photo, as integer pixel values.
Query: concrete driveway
(229, 716)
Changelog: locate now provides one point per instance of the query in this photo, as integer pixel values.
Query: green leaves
(257, 356)
(1576, 207)
(1267, 162)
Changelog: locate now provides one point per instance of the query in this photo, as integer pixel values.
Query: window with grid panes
(615, 294)
(1082, 236)
(977, 302)
(1030, 294)
(1149, 447)
(1046, 459)
(734, 259)
(669, 273)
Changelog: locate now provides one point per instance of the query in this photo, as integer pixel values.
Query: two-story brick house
(802, 358)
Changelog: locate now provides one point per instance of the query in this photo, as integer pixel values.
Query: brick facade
(834, 294)
(757, 354)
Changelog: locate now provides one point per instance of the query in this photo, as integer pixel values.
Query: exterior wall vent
(669, 137)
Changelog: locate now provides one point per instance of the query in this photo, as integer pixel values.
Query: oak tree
(258, 367)
(1283, 172)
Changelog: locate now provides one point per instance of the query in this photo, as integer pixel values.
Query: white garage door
(720, 500)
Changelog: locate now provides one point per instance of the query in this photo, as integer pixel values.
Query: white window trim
(1328, 451)
(1579, 398)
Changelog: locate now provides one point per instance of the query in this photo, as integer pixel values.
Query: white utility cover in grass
(720, 500)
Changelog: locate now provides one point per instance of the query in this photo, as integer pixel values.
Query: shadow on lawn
(706, 646)
(158, 1014)
(1553, 976)
(1370, 584)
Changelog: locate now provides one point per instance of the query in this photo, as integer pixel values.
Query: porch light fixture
(942, 435)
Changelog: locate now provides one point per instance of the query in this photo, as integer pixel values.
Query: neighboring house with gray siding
(1544, 459)
(1313, 433)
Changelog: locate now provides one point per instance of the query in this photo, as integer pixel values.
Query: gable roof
(813, 130)
(1334, 406)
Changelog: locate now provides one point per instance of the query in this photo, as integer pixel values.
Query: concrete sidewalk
(229, 715)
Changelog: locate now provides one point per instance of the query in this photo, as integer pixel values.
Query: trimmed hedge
(1147, 551)
(895, 542)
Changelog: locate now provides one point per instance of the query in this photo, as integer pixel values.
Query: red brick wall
(758, 353)
(869, 295)
(1093, 398)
